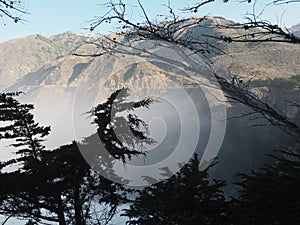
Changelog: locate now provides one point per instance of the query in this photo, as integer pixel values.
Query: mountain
(64, 87)
(29, 54)
(41, 65)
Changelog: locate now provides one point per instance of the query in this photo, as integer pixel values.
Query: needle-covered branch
(122, 136)
(18, 124)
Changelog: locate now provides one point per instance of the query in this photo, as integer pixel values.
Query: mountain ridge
(36, 52)
(45, 69)
(30, 53)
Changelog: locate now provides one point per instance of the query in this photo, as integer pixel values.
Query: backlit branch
(177, 33)
(12, 9)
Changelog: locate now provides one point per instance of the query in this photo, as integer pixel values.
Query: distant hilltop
(38, 54)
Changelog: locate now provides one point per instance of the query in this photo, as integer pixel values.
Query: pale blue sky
(58, 16)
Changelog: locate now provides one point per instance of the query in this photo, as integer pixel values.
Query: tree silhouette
(60, 188)
(188, 197)
(131, 131)
(20, 126)
(267, 197)
(270, 195)
(58, 185)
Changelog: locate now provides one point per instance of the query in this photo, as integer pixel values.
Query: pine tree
(271, 195)
(188, 197)
(132, 131)
(58, 185)
(20, 126)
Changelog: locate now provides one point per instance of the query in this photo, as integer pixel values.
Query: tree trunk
(77, 203)
(61, 218)
(60, 212)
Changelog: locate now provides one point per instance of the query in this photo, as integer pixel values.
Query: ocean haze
(64, 87)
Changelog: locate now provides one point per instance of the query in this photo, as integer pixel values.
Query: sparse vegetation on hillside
(29, 54)
(283, 82)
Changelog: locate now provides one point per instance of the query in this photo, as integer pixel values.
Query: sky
(49, 17)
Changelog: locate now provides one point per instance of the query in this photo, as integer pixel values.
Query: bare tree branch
(12, 9)
(7, 218)
(196, 7)
(258, 31)
(249, 99)
(176, 32)
(279, 2)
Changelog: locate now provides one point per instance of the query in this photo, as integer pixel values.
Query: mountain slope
(63, 87)
(41, 65)
(25, 55)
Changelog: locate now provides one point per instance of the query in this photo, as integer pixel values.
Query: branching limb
(10, 9)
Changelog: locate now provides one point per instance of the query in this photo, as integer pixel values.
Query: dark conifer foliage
(122, 136)
(20, 126)
(271, 195)
(58, 185)
(188, 197)
(61, 188)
